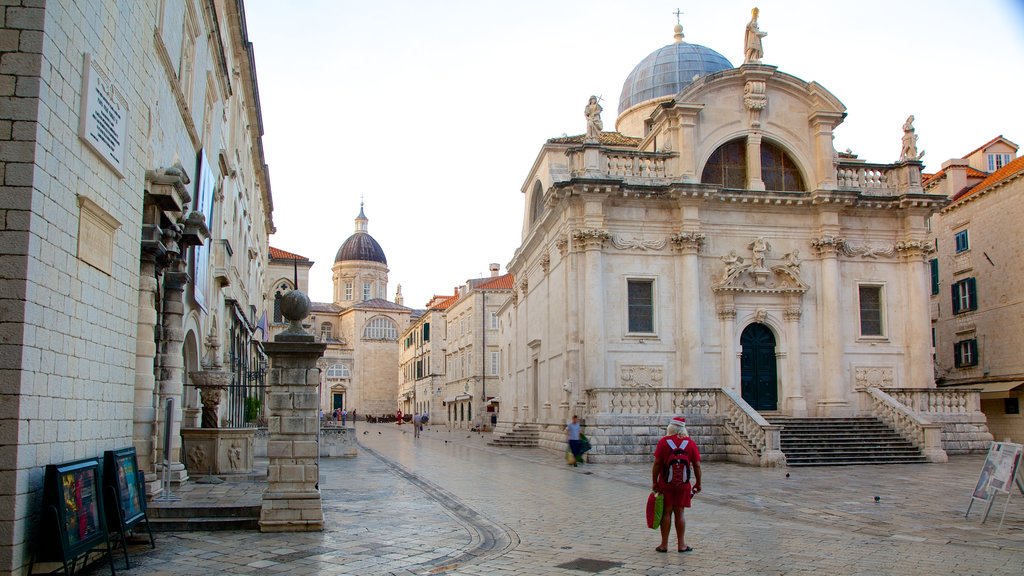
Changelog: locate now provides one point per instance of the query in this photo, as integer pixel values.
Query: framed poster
(121, 473)
(74, 521)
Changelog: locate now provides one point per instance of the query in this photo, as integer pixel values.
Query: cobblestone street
(447, 503)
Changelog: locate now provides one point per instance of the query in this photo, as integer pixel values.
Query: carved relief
(792, 314)
(757, 275)
(755, 100)
(873, 377)
(837, 245)
(638, 243)
(641, 376)
(197, 458)
(828, 245)
(726, 312)
(589, 238)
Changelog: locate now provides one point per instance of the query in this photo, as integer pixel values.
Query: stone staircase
(202, 518)
(521, 436)
(843, 442)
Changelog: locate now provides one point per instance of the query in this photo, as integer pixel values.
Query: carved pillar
(685, 143)
(754, 181)
(727, 320)
(833, 400)
(144, 418)
(569, 268)
(822, 125)
(172, 363)
(688, 363)
(795, 403)
(592, 242)
(920, 373)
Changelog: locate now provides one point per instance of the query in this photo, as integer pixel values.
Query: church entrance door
(758, 375)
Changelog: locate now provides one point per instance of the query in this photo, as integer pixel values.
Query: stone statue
(593, 114)
(752, 40)
(733, 265)
(909, 151)
(759, 247)
(792, 260)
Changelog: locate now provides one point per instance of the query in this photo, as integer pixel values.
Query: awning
(993, 390)
(495, 400)
(457, 398)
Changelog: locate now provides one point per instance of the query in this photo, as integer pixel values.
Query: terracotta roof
(606, 138)
(278, 254)
(1011, 170)
(927, 179)
(441, 302)
(989, 143)
(503, 282)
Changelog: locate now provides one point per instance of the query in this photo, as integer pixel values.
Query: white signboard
(104, 117)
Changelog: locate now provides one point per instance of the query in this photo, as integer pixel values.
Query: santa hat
(677, 421)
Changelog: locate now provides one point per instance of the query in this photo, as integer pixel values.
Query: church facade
(716, 257)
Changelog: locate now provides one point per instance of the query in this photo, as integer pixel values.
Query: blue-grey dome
(361, 246)
(668, 70)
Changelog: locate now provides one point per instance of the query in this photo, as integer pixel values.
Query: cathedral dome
(668, 70)
(361, 246)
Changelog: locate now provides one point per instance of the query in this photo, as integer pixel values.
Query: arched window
(778, 171)
(338, 371)
(727, 167)
(380, 328)
(326, 331)
(536, 203)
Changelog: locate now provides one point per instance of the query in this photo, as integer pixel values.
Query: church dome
(361, 246)
(668, 70)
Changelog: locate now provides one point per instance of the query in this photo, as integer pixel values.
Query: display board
(74, 520)
(125, 493)
(999, 474)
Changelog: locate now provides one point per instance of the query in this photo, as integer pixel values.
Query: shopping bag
(655, 509)
(584, 444)
(569, 458)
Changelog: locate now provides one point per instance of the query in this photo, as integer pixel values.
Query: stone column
(920, 373)
(833, 401)
(172, 363)
(291, 501)
(592, 242)
(754, 181)
(144, 435)
(688, 279)
(727, 318)
(795, 403)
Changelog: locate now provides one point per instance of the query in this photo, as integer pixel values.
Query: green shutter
(934, 262)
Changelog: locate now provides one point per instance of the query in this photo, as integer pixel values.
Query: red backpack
(677, 468)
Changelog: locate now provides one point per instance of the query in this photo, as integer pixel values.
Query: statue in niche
(593, 114)
(752, 40)
(759, 247)
(909, 151)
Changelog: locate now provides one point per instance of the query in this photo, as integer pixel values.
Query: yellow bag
(569, 458)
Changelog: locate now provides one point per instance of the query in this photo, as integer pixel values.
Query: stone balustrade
(619, 163)
(938, 401)
(922, 432)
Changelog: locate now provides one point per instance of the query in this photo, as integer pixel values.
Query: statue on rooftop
(594, 124)
(909, 151)
(752, 40)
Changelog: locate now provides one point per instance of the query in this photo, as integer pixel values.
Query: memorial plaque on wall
(103, 123)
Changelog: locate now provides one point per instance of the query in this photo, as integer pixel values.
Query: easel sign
(998, 475)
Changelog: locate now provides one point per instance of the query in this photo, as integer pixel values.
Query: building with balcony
(421, 357)
(977, 308)
(715, 256)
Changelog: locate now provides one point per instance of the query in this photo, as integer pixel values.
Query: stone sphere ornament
(295, 306)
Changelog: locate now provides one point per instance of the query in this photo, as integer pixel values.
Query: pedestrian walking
(674, 457)
(344, 416)
(416, 426)
(572, 435)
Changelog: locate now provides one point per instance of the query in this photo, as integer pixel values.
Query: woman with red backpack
(674, 458)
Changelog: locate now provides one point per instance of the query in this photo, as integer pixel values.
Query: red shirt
(663, 451)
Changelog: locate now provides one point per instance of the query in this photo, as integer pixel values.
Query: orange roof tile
(278, 254)
(441, 302)
(504, 282)
(927, 179)
(1011, 170)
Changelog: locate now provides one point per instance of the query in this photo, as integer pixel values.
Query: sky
(432, 113)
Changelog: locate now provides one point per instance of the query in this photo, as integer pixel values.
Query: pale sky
(433, 111)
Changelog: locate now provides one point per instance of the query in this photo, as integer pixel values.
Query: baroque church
(359, 370)
(714, 256)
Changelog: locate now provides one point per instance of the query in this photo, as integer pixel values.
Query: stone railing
(755, 436)
(937, 400)
(619, 163)
(922, 432)
(872, 178)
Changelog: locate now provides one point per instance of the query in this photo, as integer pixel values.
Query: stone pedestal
(218, 451)
(291, 502)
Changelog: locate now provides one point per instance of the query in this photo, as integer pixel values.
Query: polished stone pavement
(447, 503)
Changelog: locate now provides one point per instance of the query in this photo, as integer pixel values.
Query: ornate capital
(562, 243)
(591, 238)
(688, 242)
(914, 248)
(792, 314)
(726, 312)
(755, 100)
(828, 245)
(545, 262)
(524, 286)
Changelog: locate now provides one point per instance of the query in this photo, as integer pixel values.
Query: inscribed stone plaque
(96, 235)
(103, 125)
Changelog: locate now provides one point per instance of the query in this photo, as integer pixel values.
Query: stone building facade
(717, 257)
(137, 210)
(421, 357)
(977, 306)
